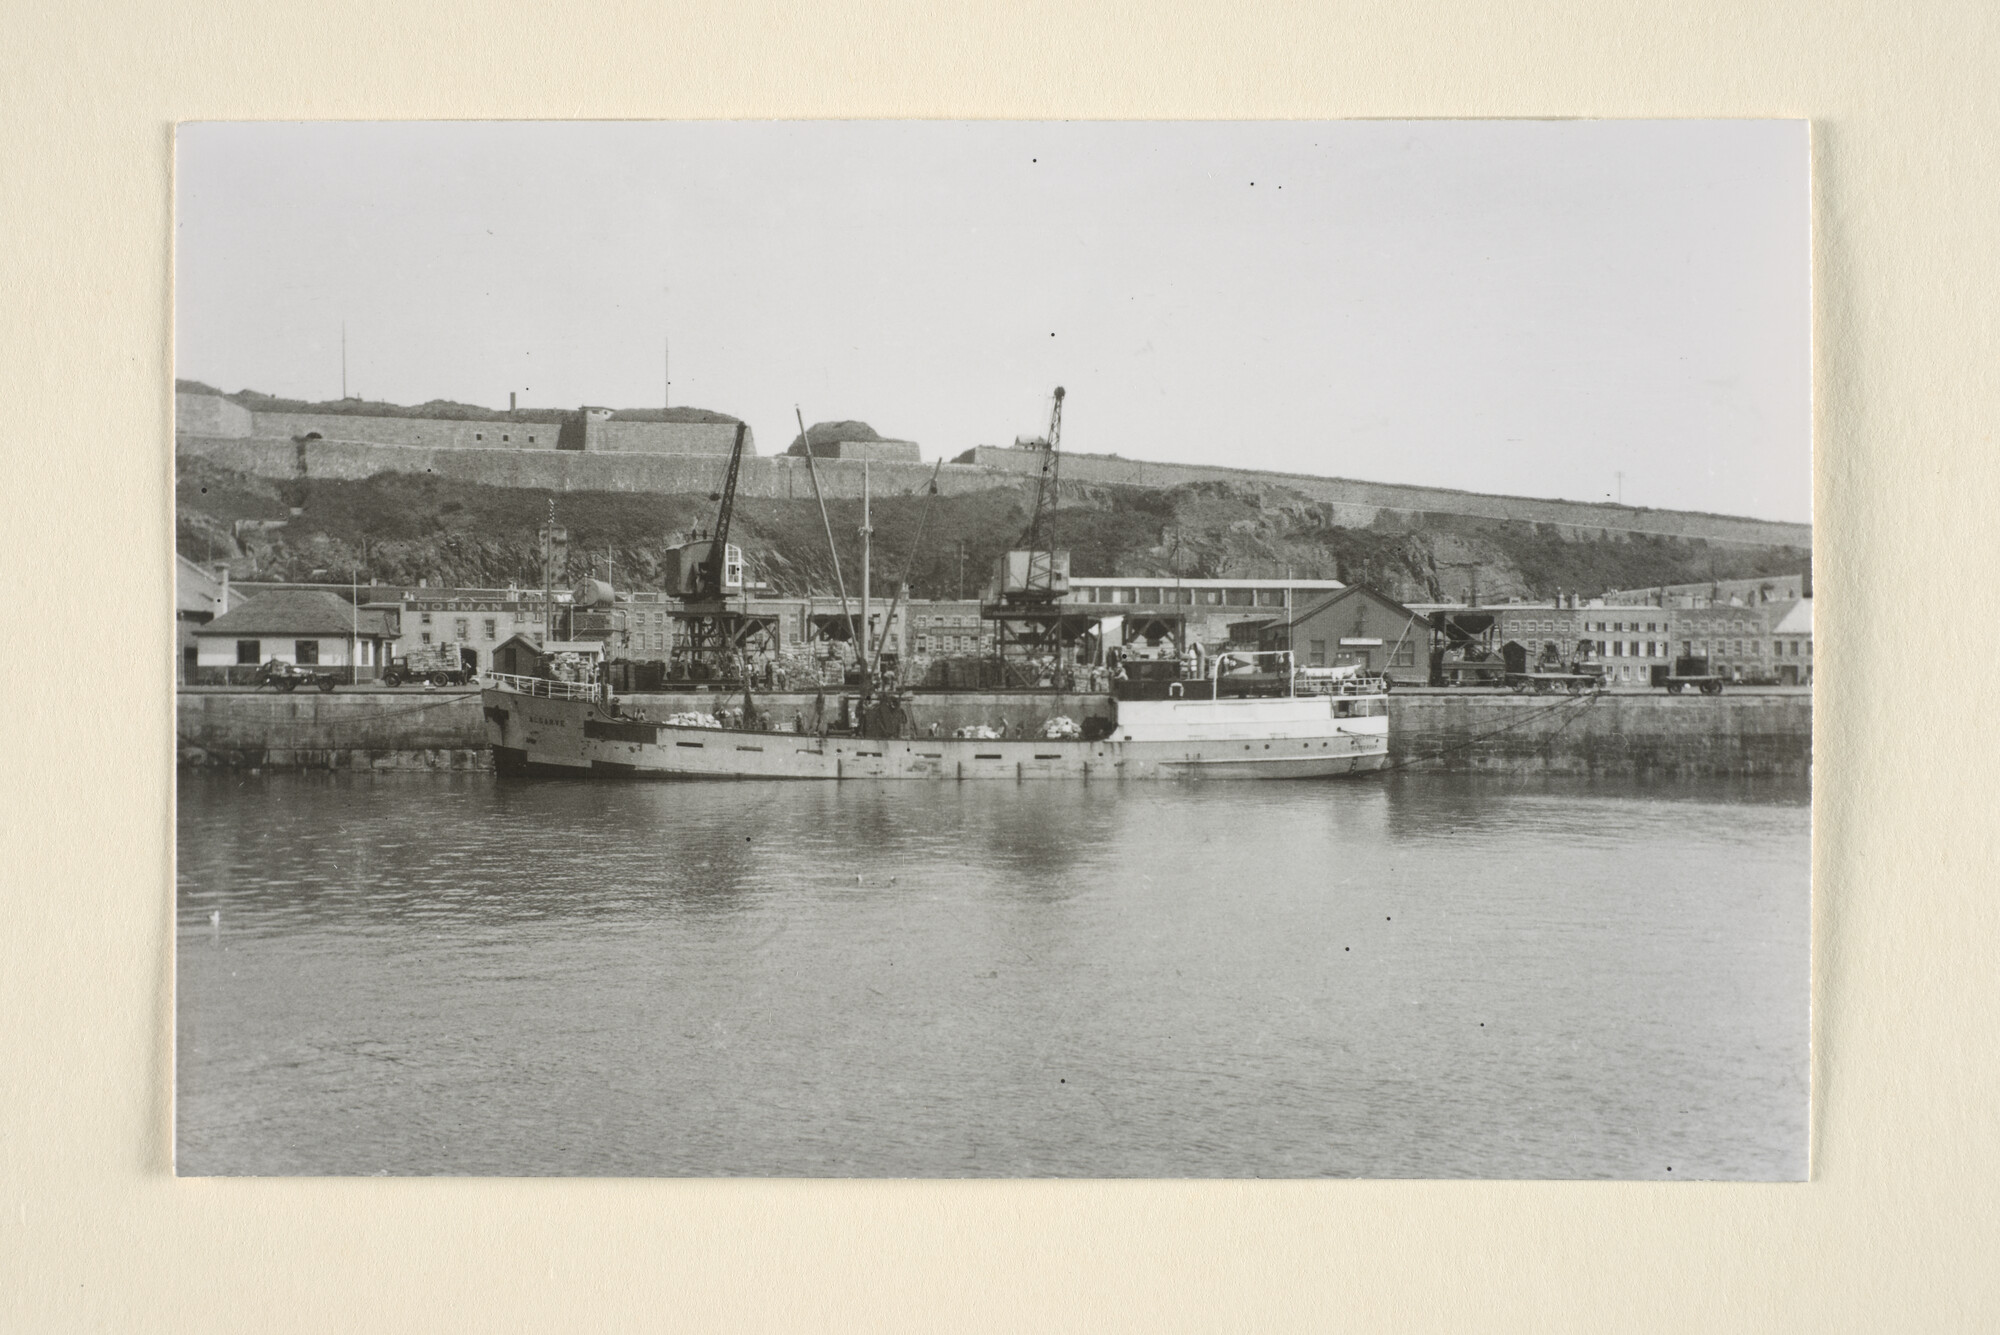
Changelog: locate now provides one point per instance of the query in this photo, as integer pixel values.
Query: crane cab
(691, 567)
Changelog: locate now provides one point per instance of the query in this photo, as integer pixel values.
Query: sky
(1594, 310)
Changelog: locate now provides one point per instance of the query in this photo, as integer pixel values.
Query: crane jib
(718, 552)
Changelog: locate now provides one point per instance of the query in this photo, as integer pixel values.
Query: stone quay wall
(1734, 735)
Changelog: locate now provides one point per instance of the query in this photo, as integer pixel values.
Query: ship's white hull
(1305, 738)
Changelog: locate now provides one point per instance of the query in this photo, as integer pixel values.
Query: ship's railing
(543, 687)
(1282, 663)
(1306, 682)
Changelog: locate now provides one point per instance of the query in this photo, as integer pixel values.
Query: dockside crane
(704, 565)
(706, 571)
(1031, 631)
(1042, 557)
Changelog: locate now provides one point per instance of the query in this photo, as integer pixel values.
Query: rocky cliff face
(399, 528)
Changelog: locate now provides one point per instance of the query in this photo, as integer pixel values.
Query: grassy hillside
(400, 528)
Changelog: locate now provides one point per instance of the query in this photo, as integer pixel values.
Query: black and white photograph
(1001, 649)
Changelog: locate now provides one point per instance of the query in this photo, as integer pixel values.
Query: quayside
(1253, 716)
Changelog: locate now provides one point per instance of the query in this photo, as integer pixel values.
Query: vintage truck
(288, 677)
(438, 664)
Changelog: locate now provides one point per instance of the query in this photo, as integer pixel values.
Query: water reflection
(422, 973)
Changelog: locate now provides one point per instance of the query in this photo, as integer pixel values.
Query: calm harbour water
(1401, 976)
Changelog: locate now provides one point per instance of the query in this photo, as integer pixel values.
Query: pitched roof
(1797, 619)
(296, 612)
(1362, 589)
(195, 589)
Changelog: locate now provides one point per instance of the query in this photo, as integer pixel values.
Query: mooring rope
(1574, 706)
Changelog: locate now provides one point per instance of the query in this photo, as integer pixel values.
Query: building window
(1316, 654)
(1242, 597)
(426, 618)
(504, 437)
(1270, 597)
(492, 628)
(1404, 655)
(531, 440)
(479, 435)
(250, 651)
(425, 638)
(305, 651)
(461, 628)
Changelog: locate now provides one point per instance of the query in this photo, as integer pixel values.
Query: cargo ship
(1252, 716)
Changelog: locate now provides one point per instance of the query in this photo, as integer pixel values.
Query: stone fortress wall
(783, 477)
(1360, 504)
(595, 430)
(609, 451)
(887, 451)
(615, 436)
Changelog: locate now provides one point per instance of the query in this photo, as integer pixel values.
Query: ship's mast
(548, 575)
(867, 534)
(909, 564)
(833, 552)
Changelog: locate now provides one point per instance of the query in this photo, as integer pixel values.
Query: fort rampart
(783, 477)
(603, 452)
(591, 431)
(1359, 504)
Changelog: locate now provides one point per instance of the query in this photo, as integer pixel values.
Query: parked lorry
(438, 664)
(288, 677)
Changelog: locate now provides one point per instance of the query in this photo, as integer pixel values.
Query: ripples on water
(1416, 976)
